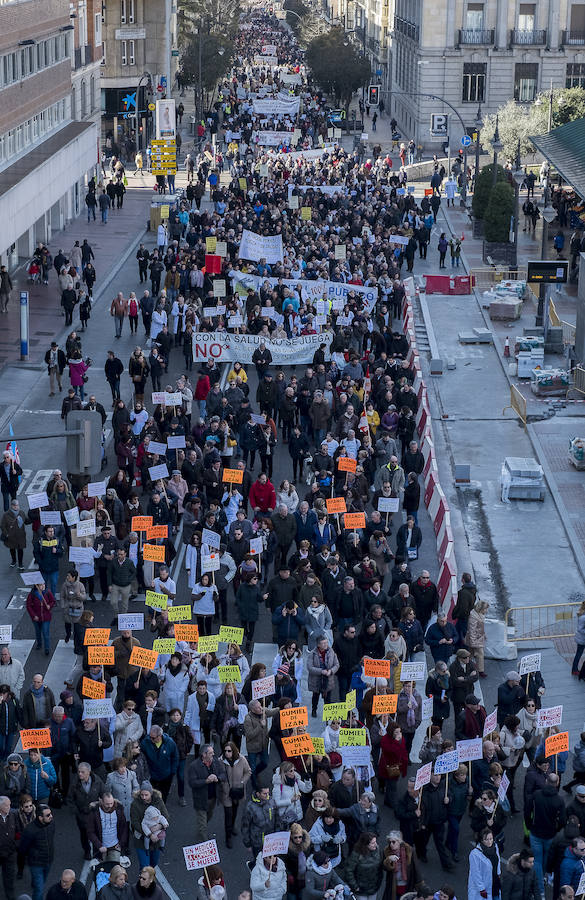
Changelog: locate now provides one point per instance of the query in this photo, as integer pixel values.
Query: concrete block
(436, 366)
(462, 473)
(451, 363)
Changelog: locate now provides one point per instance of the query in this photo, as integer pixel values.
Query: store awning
(564, 148)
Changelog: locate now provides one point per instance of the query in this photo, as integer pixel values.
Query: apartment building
(86, 22)
(45, 156)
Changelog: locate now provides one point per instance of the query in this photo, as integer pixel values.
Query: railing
(476, 36)
(548, 621)
(409, 29)
(573, 37)
(533, 37)
(483, 279)
(517, 404)
(569, 330)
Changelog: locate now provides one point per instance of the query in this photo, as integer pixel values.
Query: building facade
(86, 21)
(45, 155)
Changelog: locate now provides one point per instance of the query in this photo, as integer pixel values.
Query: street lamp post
(518, 175)
(478, 127)
(497, 147)
(548, 214)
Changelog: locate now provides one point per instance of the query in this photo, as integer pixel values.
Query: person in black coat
(411, 499)
(10, 475)
(37, 846)
(298, 447)
(511, 697)
(408, 549)
(67, 888)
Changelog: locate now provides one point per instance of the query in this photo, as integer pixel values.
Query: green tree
(336, 65)
(498, 214)
(483, 187)
(214, 64)
(219, 16)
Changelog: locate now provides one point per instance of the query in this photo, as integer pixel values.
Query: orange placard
(556, 743)
(186, 632)
(377, 668)
(141, 523)
(153, 553)
(143, 658)
(233, 476)
(428, 192)
(95, 636)
(354, 520)
(157, 531)
(346, 464)
(295, 717)
(35, 738)
(297, 745)
(100, 656)
(96, 690)
(384, 704)
(336, 505)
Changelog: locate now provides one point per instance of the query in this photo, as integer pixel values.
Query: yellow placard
(159, 601)
(210, 244)
(228, 674)
(178, 613)
(351, 700)
(164, 645)
(306, 213)
(94, 636)
(243, 184)
(208, 643)
(100, 656)
(334, 711)
(164, 211)
(318, 746)
(352, 737)
(229, 634)
(296, 717)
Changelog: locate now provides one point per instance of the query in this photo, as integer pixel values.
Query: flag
(12, 446)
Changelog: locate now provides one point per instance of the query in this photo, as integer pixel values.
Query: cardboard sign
(210, 563)
(336, 505)
(388, 504)
(352, 737)
(188, 633)
(263, 687)
(160, 471)
(143, 658)
(157, 532)
(198, 856)
(229, 674)
(553, 715)
(385, 704)
(377, 668)
(231, 634)
(256, 546)
(94, 689)
(427, 708)
(98, 709)
(96, 489)
(179, 613)
(318, 746)
(35, 738)
(423, 776)
(346, 464)
(208, 643)
(158, 601)
(334, 711)
(164, 645)
(211, 538)
(296, 717)
(503, 788)
(141, 523)
(297, 745)
(96, 636)
(100, 656)
(355, 756)
(530, 663)
(153, 553)
(557, 743)
(36, 501)
(233, 476)
(490, 723)
(354, 521)
(275, 843)
(413, 671)
(446, 762)
(469, 750)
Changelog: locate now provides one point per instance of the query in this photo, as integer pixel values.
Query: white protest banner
(530, 663)
(423, 776)
(50, 517)
(398, 239)
(277, 107)
(198, 856)
(265, 60)
(5, 634)
(310, 154)
(413, 671)
(490, 723)
(31, 578)
(290, 78)
(270, 49)
(271, 138)
(503, 788)
(223, 347)
(81, 554)
(210, 563)
(96, 488)
(263, 687)
(160, 471)
(210, 538)
(446, 762)
(330, 190)
(553, 715)
(368, 295)
(97, 709)
(36, 501)
(387, 504)
(256, 546)
(260, 246)
(71, 516)
(469, 750)
(130, 621)
(276, 843)
(427, 708)
(355, 756)
(85, 528)
(158, 398)
(157, 447)
(176, 442)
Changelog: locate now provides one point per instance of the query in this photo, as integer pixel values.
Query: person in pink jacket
(77, 369)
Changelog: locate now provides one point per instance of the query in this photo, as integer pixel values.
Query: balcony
(574, 38)
(534, 37)
(476, 36)
(78, 62)
(408, 29)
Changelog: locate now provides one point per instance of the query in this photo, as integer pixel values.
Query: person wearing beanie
(511, 697)
(320, 876)
(469, 722)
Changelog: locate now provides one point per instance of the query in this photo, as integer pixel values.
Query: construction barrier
(423, 417)
(460, 284)
(444, 538)
(432, 482)
(437, 284)
(517, 403)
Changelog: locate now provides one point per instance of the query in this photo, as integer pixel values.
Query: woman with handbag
(393, 762)
(287, 787)
(233, 789)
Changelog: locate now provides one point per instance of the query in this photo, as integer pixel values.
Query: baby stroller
(34, 271)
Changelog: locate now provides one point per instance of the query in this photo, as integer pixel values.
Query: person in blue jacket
(573, 864)
(41, 773)
(289, 619)
(48, 553)
(162, 756)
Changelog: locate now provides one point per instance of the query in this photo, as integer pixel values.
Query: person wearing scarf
(469, 723)
(400, 865)
(296, 861)
(328, 834)
(393, 762)
(320, 877)
(485, 870)
(409, 712)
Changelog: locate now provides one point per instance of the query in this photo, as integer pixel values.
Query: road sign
(439, 125)
(465, 140)
(152, 106)
(547, 271)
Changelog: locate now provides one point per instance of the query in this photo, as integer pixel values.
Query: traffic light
(373, 95)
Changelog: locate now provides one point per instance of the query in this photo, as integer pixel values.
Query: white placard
(174, 399)
(530, 663)
(36, 501)
(318, 321)
(5, 634)
(158, 398)
(261, 246)
(235, 321)
(340, 251)
(98, 709)
(293, 202)
(177, 442)
(221, 309)
(160, 471)
(427, 708)
(503, 788)
(130, 621)
(355, 756)
(446, 762)
(581, 886)
(85, 528)
(219, 289)
(81, 554)
(210, 563)
(210, 538)
(423, 776)
(470, 750)
(157, 447)
(256, 545)
(258, 419)
(96, 488)
(209, 312)
(263, 687)
(413, 671)
(50, 517)
(221, 246)
(490, 723)
(276, 843)
(198, 856)
(71, 516)
(267, 312)
(387, 504)
(553, 715)
(32, 578)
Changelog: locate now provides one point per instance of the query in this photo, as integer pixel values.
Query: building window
(527, 17)
(474, 75)
(126, 12)
(83, 95)
(575, 75)
(525, 82)
(124, 46)
(91, 94)
(474, 17)
(131, 58)
(98, 30)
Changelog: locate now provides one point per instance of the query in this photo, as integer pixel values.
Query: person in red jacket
(262, 496)
(393, 759)
(202, 389)
(39, 606)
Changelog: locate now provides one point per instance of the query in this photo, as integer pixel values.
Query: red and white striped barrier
(423, 417)
(447, 580)
(444, 537)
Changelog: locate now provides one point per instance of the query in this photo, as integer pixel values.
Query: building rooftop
(14, 174)
(563, 147)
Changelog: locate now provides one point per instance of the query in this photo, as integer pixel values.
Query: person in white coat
(268, 880)
(128, 727)
(122, 782)
(158, 321)
(287, 666)
(287, 787)
(174, 683)
(485, 870)
(450, 189)
(235, 657)
(11, 672)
